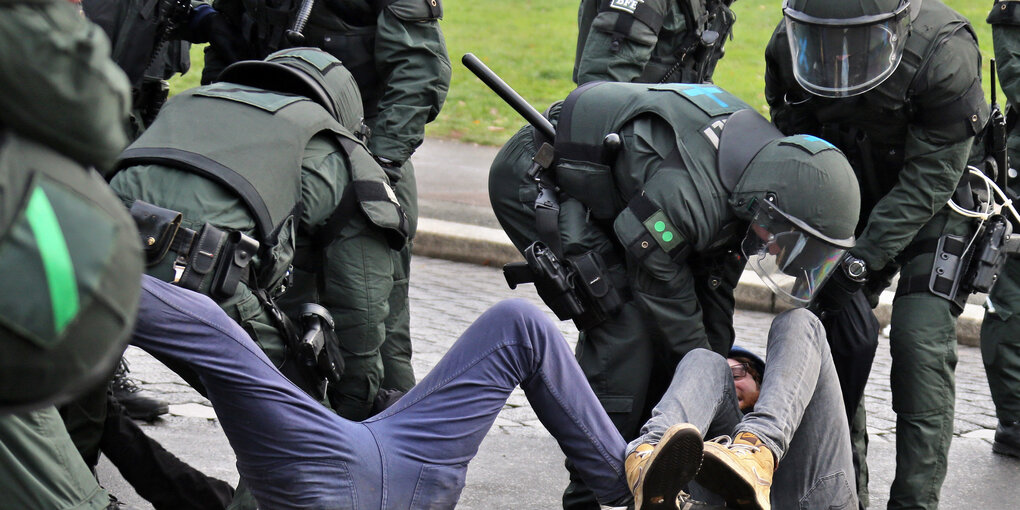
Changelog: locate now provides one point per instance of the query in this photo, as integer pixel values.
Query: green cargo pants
(396, 350)
(40, 467)
(923, 344)
(1000, 343)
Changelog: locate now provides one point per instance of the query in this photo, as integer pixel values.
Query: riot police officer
(225, 211)
(1000, 329)
(896, 85)
(649, 178)
(651, 41)
(397, 54)
(70, 262)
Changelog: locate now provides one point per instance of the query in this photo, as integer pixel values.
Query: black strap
(356, 192)
(182, 241)
(212, 170)
(642, 13)
(547, 219)
(643, 208)
(921, 283)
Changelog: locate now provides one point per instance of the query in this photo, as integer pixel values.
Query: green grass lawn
(531, 44)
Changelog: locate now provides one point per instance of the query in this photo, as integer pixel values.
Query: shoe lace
(121, 379)
(740, 448)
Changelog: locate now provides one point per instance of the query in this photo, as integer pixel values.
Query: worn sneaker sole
(673, 464)
(722, 476)
(1006, 449)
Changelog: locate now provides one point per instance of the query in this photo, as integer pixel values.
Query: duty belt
(211, 260)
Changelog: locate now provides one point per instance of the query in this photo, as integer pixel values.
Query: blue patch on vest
(711, 99)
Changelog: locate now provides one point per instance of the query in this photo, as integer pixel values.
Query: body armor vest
(697, 114)
(261, 163)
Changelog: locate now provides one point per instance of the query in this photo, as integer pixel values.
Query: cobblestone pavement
(447, 296)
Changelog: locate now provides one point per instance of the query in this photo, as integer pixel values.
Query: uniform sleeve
(935, 154)
(324, 177)
(415, 69)
(1006, 43)
(66, 93)
(618, 46)
(665, 288)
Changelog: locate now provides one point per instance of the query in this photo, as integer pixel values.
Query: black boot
(1007, 439)
(129, 395)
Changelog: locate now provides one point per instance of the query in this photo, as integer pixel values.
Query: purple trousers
(295, 453)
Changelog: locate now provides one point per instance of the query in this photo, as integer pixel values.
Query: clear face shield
(790, 257)
(846, 57)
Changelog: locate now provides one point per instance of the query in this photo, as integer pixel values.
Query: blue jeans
(297, 454)
(799, 414)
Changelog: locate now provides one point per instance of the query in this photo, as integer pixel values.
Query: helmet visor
(845, 57)
(790, 259)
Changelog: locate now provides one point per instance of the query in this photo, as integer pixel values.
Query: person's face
(747, 388)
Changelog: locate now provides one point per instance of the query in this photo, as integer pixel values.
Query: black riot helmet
(843, 48)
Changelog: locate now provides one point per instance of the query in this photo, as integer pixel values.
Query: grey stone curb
(491, 247)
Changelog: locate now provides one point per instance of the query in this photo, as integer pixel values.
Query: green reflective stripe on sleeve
(56, 259)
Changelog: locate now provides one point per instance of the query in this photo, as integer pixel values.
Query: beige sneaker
(739, 470)
(656, 473)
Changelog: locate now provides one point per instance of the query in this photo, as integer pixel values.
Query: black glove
(391, 168)
(223, 36)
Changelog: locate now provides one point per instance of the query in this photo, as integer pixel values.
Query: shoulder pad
(1005, 13)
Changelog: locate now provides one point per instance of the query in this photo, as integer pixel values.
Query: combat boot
(657, 472)
(739, 470)
(129, 395)
(1007, 439)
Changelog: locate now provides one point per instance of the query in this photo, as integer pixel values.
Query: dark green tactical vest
(697, 114)
(198, 131)
(871, 128)
(70, 274)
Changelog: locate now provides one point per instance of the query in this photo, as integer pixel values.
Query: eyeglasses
(739, 370)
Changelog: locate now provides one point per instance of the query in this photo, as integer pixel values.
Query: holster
(211, 261)
(157, 227)
(317, 350)
(579, 290)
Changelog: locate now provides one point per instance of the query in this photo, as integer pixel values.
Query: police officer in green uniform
(232, 205)
(69, 261)
(896, 85)
(651, 41)
(1000, 330)
(649, 178)
(397, 54)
